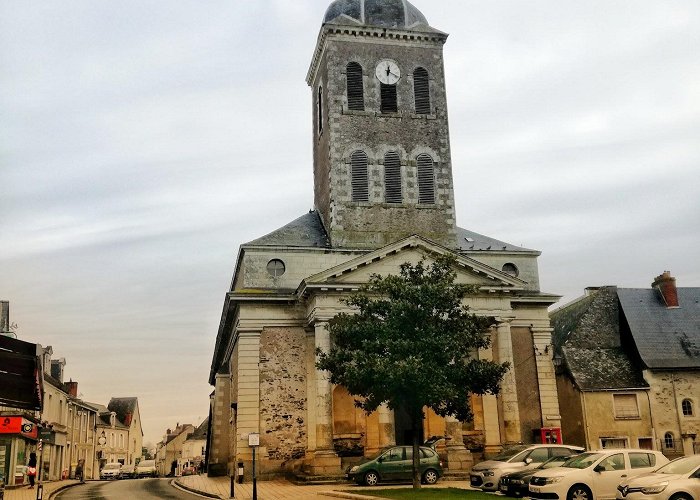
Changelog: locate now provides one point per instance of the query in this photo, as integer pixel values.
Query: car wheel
(680, 496)
(430, 476)
(579, 492)
(371, 478)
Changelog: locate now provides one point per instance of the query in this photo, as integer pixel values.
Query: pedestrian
(31, 469)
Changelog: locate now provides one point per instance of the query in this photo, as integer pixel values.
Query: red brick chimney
(72, 388)
(666, 284)
(127, 419)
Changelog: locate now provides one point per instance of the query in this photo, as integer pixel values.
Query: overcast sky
(141, 142)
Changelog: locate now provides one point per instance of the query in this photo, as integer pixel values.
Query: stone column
(387, 431)
(509, 392)
(492, 428)
(458, 456)
(546, 379)
(325, 460)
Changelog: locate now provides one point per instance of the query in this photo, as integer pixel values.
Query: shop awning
(21, 376)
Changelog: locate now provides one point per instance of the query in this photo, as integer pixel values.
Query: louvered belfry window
(359, 176)
(356, 94)
(319, 111)
(389, 102)
(426, 179)
(392, 178)
(421, 91)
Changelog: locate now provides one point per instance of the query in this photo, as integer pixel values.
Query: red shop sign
(18, 425)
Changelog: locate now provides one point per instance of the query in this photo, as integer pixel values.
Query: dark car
(396, 464)
(515, 484)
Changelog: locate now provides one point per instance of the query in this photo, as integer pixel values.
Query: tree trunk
(416, 418)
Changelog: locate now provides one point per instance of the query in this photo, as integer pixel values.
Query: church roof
(384, 13)
(306, 231)
(471, 241)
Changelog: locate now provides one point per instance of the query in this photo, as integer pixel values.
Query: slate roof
(307, 231)
(122, 407)
(469, 241)
(200, 432)
(385, 13)
(602, 369)
(666, 338)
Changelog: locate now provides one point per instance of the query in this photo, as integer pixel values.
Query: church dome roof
(384, 13)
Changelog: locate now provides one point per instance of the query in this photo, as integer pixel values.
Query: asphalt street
(141, 489)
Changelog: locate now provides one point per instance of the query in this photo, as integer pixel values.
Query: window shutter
(421, 91)
(426, 179)
(355, 89)
(388, 97)
(626, 406)
(359, 176)
(392, 178)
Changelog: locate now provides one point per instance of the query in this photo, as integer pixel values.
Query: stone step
(302, 479)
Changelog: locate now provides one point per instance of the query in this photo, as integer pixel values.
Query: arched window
(687, 407)
(389, 103)
(359, 176)
(421, 91)
(392, 178)
(319, 113)
(668, 440)
(355, 89)
(426, 179)
(512, 269)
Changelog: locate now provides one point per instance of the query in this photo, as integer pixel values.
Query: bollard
(240, 472)
(39, 491)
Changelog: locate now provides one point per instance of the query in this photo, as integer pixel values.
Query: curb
(342, 494)
(176, 483)
(61, 488)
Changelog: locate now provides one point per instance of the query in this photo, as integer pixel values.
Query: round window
(510, 268)
(276, 268)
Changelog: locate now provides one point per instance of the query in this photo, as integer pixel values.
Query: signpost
(254, 442)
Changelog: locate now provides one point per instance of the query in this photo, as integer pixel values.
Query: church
(383, 195)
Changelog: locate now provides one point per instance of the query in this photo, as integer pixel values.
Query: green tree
(411, 344)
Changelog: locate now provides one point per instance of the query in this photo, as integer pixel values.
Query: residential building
(170, 450)
(383, 195)
(81, 433)
(629, 373)
(195, 445)
(119, 432)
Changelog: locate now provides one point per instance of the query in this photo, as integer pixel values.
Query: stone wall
(525, 369)
(283, 401)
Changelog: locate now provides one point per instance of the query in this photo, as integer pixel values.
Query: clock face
(388, 72)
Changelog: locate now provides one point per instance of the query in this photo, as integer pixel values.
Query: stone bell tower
(382, 167)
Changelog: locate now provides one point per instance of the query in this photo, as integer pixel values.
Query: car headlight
(355, 468)
(655, 488)
(488, 473)
(552, 480)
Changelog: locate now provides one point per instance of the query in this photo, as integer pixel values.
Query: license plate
(535, 489)
(504, 488)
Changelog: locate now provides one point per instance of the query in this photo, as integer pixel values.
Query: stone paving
(280, 489)
(26, 493)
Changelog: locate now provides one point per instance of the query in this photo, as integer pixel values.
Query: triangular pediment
(387, 260)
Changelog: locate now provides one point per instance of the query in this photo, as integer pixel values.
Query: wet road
(126, 489)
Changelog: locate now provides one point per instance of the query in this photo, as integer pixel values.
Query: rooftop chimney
(666, 284)
(4, 317)
(72, 388)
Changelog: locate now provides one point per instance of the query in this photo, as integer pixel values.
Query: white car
(111, 470)
(486, 475)
(593, 475)
(677, 480)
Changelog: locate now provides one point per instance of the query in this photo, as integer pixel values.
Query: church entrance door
(402, 427)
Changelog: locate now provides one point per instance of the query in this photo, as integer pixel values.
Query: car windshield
(146, 463)
(683, 465)
(112, 466)
(553, 462)
(510, 453)
(582, 461)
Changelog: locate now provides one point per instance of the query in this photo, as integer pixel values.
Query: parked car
(486, 475)
(516, 484)
(396, 464)
(111, 470)
(594, 474)
(128, 471)
(679, 480)
(146, 468)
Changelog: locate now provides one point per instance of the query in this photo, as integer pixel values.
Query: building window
(276, 268)
(359, 176)
(426, 179)
(613, 442)
(392, 178)
(355, 88)
(511, 269)
(389, 103)
(687, 407)
(421, 91)
(319, 111)
(669, 441)
(625, 406)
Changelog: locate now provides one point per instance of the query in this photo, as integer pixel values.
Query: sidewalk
(281, 489)
(24, 493)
